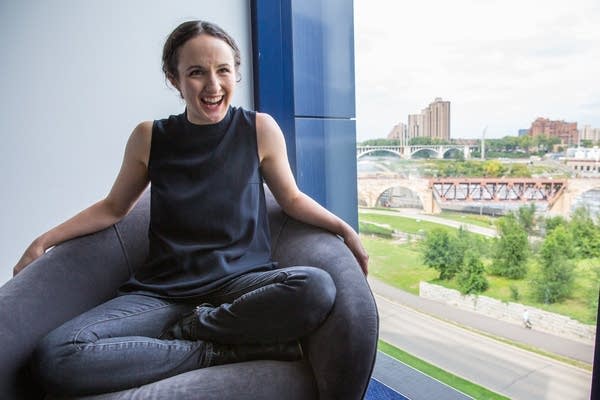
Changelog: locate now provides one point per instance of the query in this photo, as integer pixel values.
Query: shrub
(472, 280)
(514, 293)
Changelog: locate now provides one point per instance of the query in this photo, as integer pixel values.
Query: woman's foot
(227, 354)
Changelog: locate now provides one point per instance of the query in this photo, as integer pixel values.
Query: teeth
(212, 100)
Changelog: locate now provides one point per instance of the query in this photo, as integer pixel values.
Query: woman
(209, 293)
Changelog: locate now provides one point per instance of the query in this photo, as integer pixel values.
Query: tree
(471, 279)
(441, 252)
(519, 171)
(493, 168)
(554, 282)
(421, 141)
(526, 217)
(512, 249)
(381, 142)
(552, 222)
(586, 233)
(525, 142)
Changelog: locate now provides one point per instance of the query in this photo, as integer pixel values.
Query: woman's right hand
(34, 251)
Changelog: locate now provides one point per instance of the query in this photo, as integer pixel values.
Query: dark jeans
(115, 346)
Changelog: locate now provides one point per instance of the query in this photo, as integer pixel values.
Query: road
(505, 369)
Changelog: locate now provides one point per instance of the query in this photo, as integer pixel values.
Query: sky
(501, 64)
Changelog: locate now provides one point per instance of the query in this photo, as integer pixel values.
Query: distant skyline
(501, 64)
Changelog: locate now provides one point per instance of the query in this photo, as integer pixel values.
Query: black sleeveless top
(208, 220)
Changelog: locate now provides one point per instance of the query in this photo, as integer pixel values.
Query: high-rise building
(436, 120)
(566, 131)
(415, 125)
(399, 132)
(433, 122)
(589, 133)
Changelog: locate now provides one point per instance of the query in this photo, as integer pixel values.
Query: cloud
(501, 64)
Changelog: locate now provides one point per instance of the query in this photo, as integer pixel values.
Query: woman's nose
(212, 81)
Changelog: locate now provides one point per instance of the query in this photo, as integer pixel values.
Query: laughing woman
(210, 294)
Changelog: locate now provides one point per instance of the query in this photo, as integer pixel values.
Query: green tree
(421, 141)
(381, 142)
(512, 249)
(545, 143)
(526, 217)
(593, 293)
(525, 142)
(493, 169)
(471, 279)
(551, 223)
(519, 170)
(554, 282)
(440, 251)
(585, 233)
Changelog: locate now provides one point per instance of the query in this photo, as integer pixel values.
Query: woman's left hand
(352, 240)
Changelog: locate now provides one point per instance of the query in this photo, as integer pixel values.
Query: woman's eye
(195, 72)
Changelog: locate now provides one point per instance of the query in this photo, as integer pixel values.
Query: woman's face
(206, 78)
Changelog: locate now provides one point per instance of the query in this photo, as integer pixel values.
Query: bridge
(408, 152)
(558, 195)
(485, 189)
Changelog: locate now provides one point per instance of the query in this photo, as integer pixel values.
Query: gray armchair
(79, 274)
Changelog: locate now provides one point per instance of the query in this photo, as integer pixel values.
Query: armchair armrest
(67, 280)
(342, 351)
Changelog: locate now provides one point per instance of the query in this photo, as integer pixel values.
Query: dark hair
(187, 31)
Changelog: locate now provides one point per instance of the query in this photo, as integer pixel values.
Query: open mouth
(212, 101)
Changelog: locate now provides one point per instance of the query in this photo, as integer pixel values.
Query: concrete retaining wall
(511, 312)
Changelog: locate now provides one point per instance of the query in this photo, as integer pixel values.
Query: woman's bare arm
(127, 188)
(276, 171)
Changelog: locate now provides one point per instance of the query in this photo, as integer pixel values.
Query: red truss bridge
(513, 190)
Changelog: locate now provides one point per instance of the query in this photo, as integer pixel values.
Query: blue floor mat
(379, 391)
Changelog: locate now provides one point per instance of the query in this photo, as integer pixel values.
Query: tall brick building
(566, 131)
(436, 119)
(433, 121)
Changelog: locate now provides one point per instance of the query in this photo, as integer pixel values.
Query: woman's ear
(175, 83)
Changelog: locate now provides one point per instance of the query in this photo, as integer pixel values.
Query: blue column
(304, 78)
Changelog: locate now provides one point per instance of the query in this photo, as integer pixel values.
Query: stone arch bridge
(559, 195)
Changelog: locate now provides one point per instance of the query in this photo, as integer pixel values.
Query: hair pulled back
(187, 31)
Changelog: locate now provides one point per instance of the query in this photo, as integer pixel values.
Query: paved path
(544, 341)
(503, 368)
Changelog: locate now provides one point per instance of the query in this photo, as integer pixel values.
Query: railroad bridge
(557, 194)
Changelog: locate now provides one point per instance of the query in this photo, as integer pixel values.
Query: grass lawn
(397, 264)
(400, 265)
(402, 224)
(460, 384)
(474, 219)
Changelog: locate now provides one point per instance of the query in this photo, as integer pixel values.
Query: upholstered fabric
(84, 272)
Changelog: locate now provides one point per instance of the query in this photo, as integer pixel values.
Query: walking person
(526, 320)
(209, 293)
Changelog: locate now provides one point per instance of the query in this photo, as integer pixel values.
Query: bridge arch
(399, 196)
(428, 150)
(453, 149)
(371, 151)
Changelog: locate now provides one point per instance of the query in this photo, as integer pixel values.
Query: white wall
(77, 76)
